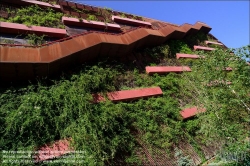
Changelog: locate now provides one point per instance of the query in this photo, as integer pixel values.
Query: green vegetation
(182, 160)
(34, 39)
(52, 2)
(92, 17)
(7, 41)
(104, 130)
(34, 15)
(108, 9)
(226, 120)
(33, 115)
(123, 15)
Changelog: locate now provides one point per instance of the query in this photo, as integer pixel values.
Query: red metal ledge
(91, 24)
(128, 95)
(210, 42)
(6, 27)
(180, 55)
(166, 69)
(130, 21)
(190, 112)
(203, 48)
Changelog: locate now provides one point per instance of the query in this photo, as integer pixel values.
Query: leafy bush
(39, 114)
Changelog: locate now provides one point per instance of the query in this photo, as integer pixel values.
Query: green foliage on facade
(34, 15)
(34, 115)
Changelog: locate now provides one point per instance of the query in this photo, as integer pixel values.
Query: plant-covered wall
(34, 15)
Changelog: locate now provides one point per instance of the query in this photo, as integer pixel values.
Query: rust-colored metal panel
(21, 54)
(69, 47)
(190, 29)
(80, 40)
(167, 30)
(203, 27)
(113, 39)
(89, 46)
(50, 53)
(129, 38)
(137, 34)
(91, 40)
(178, 33)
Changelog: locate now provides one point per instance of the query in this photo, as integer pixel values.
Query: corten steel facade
(22, 62)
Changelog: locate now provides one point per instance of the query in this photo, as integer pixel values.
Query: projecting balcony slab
(128, 95)
(130, 21)
(180, 55)
(211, 42)
(166, 69)
(203, 48)
(15, 28)
(190, 112)
(90, 24)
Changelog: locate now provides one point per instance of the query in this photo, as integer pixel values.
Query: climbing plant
(226, 119)
(34, 39)
(34, 15)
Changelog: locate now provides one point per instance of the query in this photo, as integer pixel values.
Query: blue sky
(229, 19)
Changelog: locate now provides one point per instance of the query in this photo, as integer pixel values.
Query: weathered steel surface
(86, 47)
